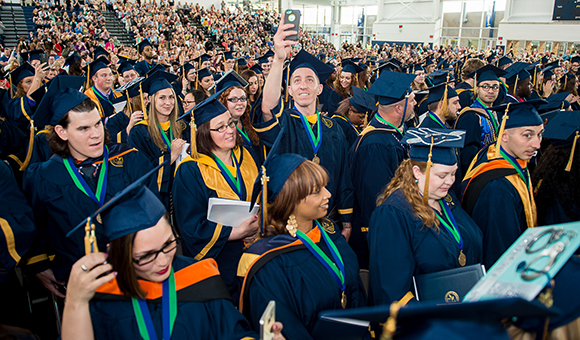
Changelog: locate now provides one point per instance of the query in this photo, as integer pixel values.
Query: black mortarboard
(256, 68)
(158, 81)
(563, 128)
(97, 64)
(263, 59)
(350, 67)
(575, 59)
(567, 77)
(441, 76)
(31, 55)
(21, 72)
(392, 87)
(208, 109)
(242, 62)
(126, 66)
(416, 67)
(269, 53)
(521, 114)
(437, 92)
(133, 209)
(72, 58)
(504, 60)
(556, 101)
(440, 143)
(144, 43)
(204, 72)
(362, 101)
(231, 78)
(306, 60)
(99, 51)
(516, 73)
(321, 56)
(203, 58)
(229, 55)
(61, 96)
(187, 67)
(156, 68)
(388, 66)
(486, 73)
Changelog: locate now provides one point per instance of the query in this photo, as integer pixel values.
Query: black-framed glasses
(152, 256)
(490, 87)
(222, 129)
(234, 100)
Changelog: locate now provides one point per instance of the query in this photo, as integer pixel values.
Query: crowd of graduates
(392, 160)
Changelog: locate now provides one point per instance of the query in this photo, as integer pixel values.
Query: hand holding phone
(292, 16)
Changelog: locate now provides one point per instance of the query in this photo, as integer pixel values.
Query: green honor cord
(234, 182)
(167, 140)
(380, 119)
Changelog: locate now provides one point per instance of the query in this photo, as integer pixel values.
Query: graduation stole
(167, 140)
(349, 122)
(244, 135)
(169, 311)
(448, 221)
(380, 119)
(235, 182)
(98, 93)
(437, 120)
(520, 181)
(480, 104)
(315, 141)
(81, 184)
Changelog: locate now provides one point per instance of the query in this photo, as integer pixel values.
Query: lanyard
(244, 136)
(516, 166)
(380, 119)
(489, 113)
(166, 140)
(169, 311)
(234, 182)
(337, 270)
(315, 141)
(436, 119)
(450, 224)
(98, 93)
(81, 184)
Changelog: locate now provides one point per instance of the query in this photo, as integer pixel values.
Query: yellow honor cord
(144, 109)
(193, 147)
(265, 180)
(571, 159)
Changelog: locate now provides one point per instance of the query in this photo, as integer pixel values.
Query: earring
(292, 225)
(416, 181)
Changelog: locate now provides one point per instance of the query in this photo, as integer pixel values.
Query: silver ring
(84, 268)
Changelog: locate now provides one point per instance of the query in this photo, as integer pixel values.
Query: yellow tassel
(565, 82)
(535, 79)
(516, 86)
(445, 105)
(390, 327)
(145, 116)
(11, 89)
(88, 237)
(501, 130)
(287, 83)
(196, 78)
(30, 147)
(193, 147)
(569, 165)
(129, 103)
(427, 174)
(88, 73)
(264, 180)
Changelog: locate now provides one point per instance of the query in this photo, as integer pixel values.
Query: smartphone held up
(292, 16)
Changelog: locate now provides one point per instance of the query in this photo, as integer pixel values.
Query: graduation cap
(62, 94)
(159, 80)
(443, 63)
(97, 64)
(392, 87)
(242, 61)
(556, 101)
(306, 60)
(517, 72)
(429, 61)
(263, 59)
(133, 209)
(126, 66)
(361, 100)
(321, 56)
(269, 53)
(416, 67)
(433, 146)
(486, 73)
(256, 68)
(565, 78)
(203, 58)
(388, 66)
(545, 59)
(204, 72)
(564, 130)
(440, 92)
(31, 55)
(156, 68)
(72, 58)
(99, 51)
(273, 174)
(575, 59)
(350, 67)
(187, 67)
(21, 72)
(441, 76)
(229, 55)
(504, 60)
(548, 70)
(123, 58)
(431, 320)
(144, 43)
(490, 58)
(230, 79)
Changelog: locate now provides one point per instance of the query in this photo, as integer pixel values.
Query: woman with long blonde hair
(419, 226)
(159, 136)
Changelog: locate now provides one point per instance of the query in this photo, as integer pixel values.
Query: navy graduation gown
(373, 159)
(299, 283)
(117, 126)
(141, 140)
(329, 100)
(59, 205)
(480, 133)
(465, 92)
(41, 150)
(19, 112)
(196, 181)
(499, 213)
(256, 110)
(429, 122)
(350, 132)
(104, 106)
(401, 247)
(204, 308)
(143, 67)
(13, 141)
(332, 153)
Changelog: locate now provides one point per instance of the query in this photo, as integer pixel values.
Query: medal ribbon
(436, 119)
(244, 136)
(166, 140)
(513, 162)
(169, 311)
(493, 121)
(380, 119)
(450, 224)
(81, 184)
(315, 141)
(337, 270)
(98, 93)
(234, 182)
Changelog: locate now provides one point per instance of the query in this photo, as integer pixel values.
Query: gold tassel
(535, 79)
(288, 83)
(390, 327)
(569, 165)
(145, 116)
(88, 73)
(193, 147)
(90, 238)
(427, 174)
(129, 103)
(196, 78)
(565, 82)
(265, 180)
(516, 86)
(30, 147)
(445, 105)
(11, 89)
(501, 130)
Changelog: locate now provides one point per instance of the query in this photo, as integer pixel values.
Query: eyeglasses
(152, 256)
(235, 99)
(222, 129)
(492, 88)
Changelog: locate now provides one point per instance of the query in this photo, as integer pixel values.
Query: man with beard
(518, 82)
(443, 104)
(145, 65)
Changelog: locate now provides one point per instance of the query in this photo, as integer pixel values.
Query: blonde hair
(405, 181)
(153, 126)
